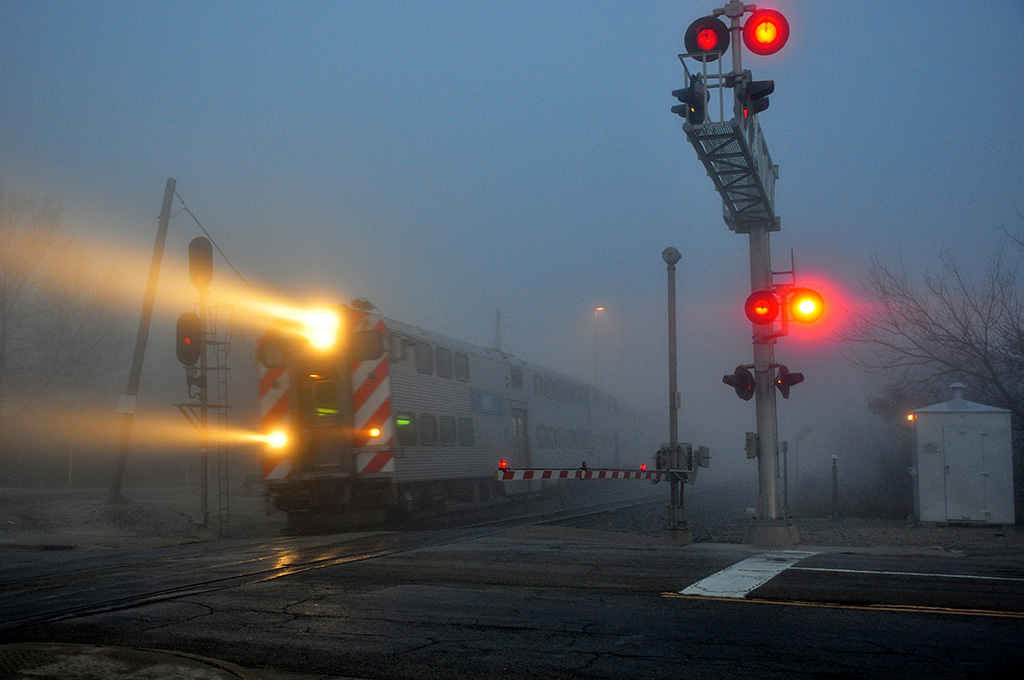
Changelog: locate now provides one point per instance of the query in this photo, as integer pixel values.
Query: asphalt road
(530, 603)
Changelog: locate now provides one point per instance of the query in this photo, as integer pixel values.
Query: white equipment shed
(963, 462)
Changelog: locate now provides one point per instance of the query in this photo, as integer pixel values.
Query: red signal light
(761, 307)
(765, 32)
(643, 467)
(503, 465)
(188, 345)
(707, 38)
(806, 305)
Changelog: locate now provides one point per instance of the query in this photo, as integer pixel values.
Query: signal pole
(200, 270)
(736, 158)
(768, 507)
(204, 413)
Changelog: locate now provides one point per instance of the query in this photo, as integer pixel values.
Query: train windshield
(323, 397)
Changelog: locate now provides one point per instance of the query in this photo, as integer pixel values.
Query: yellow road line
(912, 609)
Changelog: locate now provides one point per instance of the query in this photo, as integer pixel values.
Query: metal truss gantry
(736, 158)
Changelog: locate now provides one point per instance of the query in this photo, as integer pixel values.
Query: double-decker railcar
(366, 415)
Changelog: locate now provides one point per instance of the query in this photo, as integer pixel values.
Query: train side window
(542, 437)
(397, 348)
(560, 438)
(444, 362)
(518, 425)
(446, 431)
(424, 358)
(466, 434)
(538, 384)
(549, 388)
(428, 430)
(367, 345)
(405, 423)
(461, 367)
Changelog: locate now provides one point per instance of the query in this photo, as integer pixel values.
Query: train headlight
(321, 327)
(277, 440)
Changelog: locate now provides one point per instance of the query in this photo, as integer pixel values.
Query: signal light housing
(753, 96)
(706, 38)
(741, 380)
(189, 343)
(761, 307)
(784, 380)
(806, 305)
(200, 262)
(765, 32)
(694, 101)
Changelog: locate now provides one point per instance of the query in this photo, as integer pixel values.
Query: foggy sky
(447, 159)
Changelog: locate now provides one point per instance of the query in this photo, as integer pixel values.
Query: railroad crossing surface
(546, 602)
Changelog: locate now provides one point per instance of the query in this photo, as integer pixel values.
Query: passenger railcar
(365, 414)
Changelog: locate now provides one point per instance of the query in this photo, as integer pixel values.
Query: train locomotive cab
(324, 413)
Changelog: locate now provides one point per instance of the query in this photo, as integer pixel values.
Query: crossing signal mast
(730, 144)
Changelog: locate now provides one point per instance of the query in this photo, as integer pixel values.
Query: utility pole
(127, 403)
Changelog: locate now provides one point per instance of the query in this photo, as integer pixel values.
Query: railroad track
(84, 585)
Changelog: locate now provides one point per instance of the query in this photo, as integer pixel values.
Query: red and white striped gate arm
(579, 473)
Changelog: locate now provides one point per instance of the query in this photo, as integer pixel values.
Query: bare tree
(60, 324)
(923, 335)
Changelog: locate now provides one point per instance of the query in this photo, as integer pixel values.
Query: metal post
(677, 509)
(764, 385)
(796, 460)
(127, 405)
(835, 488)
(784, 445)
(734, 9)
(769, 526)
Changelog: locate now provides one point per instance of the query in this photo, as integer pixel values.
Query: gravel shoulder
(58, 518)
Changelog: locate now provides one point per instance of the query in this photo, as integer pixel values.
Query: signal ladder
(736, 158)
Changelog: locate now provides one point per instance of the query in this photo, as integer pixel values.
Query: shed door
(964, 449)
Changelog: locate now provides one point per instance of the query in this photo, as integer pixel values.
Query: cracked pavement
(543, 603)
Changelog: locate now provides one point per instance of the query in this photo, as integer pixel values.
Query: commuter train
(365, 415)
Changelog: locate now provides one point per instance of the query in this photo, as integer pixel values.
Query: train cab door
(327, 415)
(520, 455)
